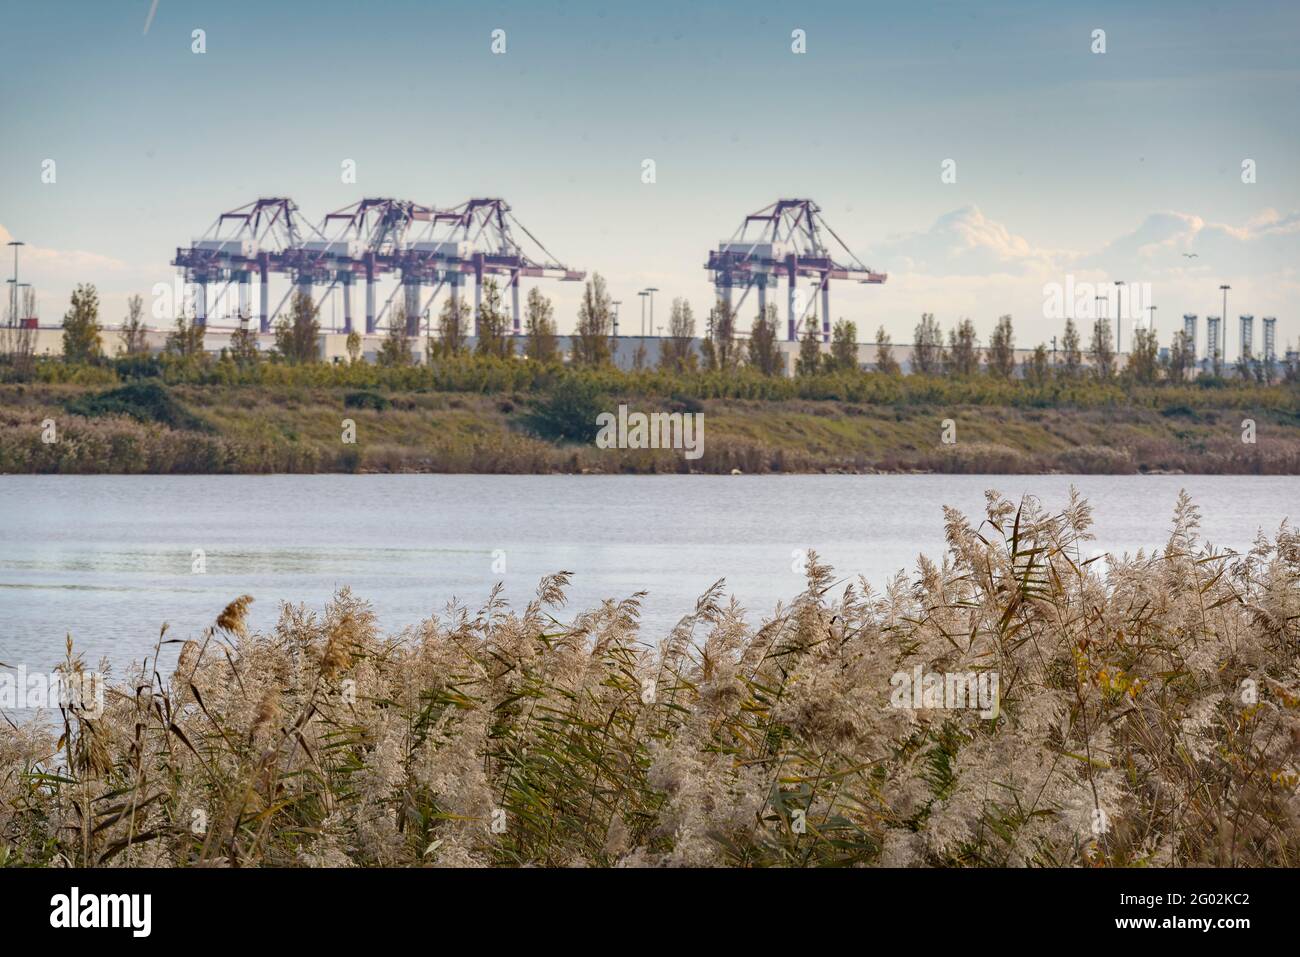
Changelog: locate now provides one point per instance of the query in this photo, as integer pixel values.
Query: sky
(1071, 166)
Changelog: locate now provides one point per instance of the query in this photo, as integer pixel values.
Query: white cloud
(59, 267)
(1268, 242)
(964, 242)
(967, 264)
(54, 272)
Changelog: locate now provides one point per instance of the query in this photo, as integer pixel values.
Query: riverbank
(215, 429)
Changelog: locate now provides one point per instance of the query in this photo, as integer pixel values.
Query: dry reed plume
(1149, 714)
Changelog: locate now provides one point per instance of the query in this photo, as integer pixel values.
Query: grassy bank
(182, 426)
(1145, 714)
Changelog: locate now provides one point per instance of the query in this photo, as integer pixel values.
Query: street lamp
(652, 290)
(13, 300)
(1224, 332)
(643, 293)
(1119, 317)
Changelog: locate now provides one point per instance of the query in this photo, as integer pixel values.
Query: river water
(108, 559)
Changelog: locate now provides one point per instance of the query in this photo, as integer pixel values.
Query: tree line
(719, 349)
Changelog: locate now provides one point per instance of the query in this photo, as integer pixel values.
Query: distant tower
(1270, 337)
(1189, 330)
(1212, 338)
(1247, 336)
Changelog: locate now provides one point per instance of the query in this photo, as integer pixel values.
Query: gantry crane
(784, 238)
(252, 237)
(475, 239)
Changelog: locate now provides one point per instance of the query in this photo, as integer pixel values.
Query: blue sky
(1098, 166)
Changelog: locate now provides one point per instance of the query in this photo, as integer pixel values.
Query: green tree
(493, 324)
(844, 346)
(763, 352)
(1072, 362)
(1182, 357)
(1245, 366)
(133, 328)
(809, 361)
(676, 352)
(1002, 350)
(354, 346)
(927, 346)
(1037, 367)
(591, 345)
(186, 340)
(453, 322)
(886, 364)
(1144, 361)
(395, 349)
(963, 350)
(81, 330)
(719, 347)
(1267, 369)
(296, 334)
(541, 344)
(1102, 351)
(243, 346)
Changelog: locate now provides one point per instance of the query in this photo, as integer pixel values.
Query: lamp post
(1119, 317)
(13, 296)
(1224, 328)
(652, 290)
(643, 293)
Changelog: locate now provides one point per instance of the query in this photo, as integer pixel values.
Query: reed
(1148, 715)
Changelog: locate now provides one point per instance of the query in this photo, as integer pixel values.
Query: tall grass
(145, 427)
(1149, 715)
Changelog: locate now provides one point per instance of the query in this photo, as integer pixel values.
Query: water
(109, 558)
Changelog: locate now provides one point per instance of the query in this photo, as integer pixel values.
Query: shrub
(138, 366)
(568, 412)
(146, 402)
(366, 400)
